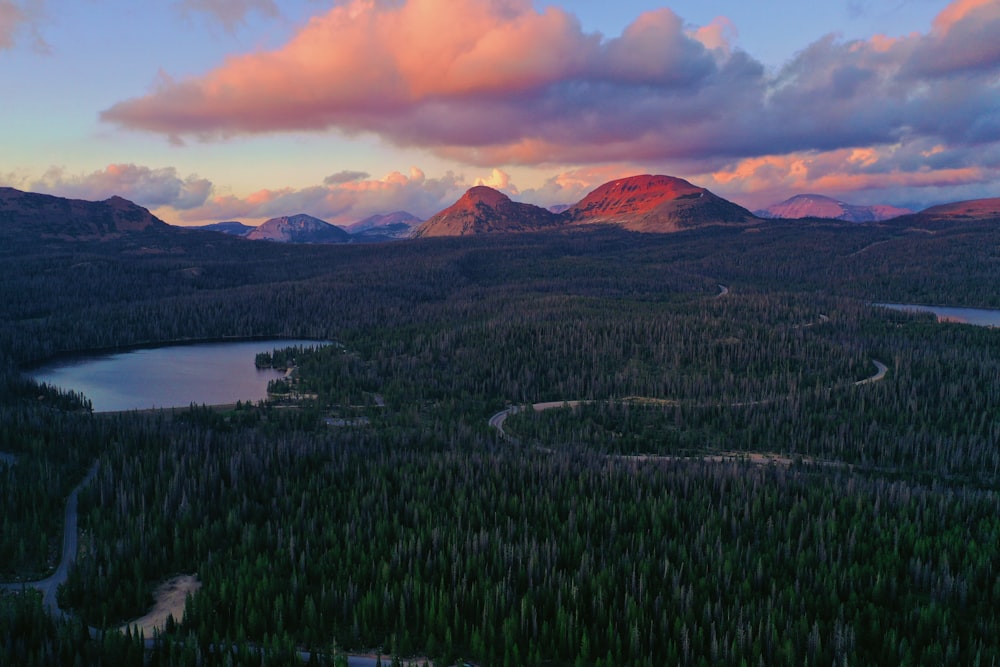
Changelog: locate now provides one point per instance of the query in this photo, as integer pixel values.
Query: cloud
(17, 16)
(498, 180)
(340, 200)
(571, 186)
(345, 177)
(230, 13)
(148, 187)
(912, 174)
(477, 80)
(500, 83)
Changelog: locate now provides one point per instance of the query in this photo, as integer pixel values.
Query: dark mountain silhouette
(484, 210)
(28, 214)
(820, 206)
(299, 228)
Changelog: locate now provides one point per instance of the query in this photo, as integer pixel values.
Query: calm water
(168, 377)
(978, 316)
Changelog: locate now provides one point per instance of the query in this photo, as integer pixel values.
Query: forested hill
(27, 215)
(955, 214)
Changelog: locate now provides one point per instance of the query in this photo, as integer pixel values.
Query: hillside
(483, 210)
(973, 209)
(655, 204)
(27, 214)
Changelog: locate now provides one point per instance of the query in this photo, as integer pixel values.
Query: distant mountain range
(231, 227)
(647, 203)
(396, 225)
(819, 206)
(304, 228)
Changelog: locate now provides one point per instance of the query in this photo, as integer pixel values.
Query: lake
(977, 316)
(168, 377)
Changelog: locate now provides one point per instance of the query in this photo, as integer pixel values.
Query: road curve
(879, 376)
(496, 422)
(50, 585)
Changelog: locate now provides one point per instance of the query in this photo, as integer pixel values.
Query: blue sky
(204, 110)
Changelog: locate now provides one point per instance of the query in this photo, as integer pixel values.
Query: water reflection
(978, 316)
(173, 376)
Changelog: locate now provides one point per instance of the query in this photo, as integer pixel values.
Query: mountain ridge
(821, 206)
(483, 210)
(54, 217)
(231, 227)
(645, 203)
(655, 204)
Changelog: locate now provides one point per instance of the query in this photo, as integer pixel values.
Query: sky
(213, 110)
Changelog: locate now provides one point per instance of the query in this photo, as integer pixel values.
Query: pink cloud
(913, 174)
(571, 186)
(959, 11)
(145, 186)
(501, 83)
(17, 16)
(498, 180)
(343, 199)
(397, 69)
(719, 34)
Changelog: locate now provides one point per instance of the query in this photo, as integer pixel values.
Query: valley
(760, 502)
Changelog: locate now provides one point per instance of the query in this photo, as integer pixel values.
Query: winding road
(496, 422)
(50, 585)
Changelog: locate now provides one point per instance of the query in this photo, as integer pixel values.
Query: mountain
(484, 210)
(387, 227)
(820, 206)
(971, 210)
(27, 214)
(299, 228)
(232, 228)
(388, 220)
(655, 204)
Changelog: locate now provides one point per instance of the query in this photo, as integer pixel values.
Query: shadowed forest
(727, 490)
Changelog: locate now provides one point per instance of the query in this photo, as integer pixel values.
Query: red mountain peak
(482, 194)
(636, 195)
